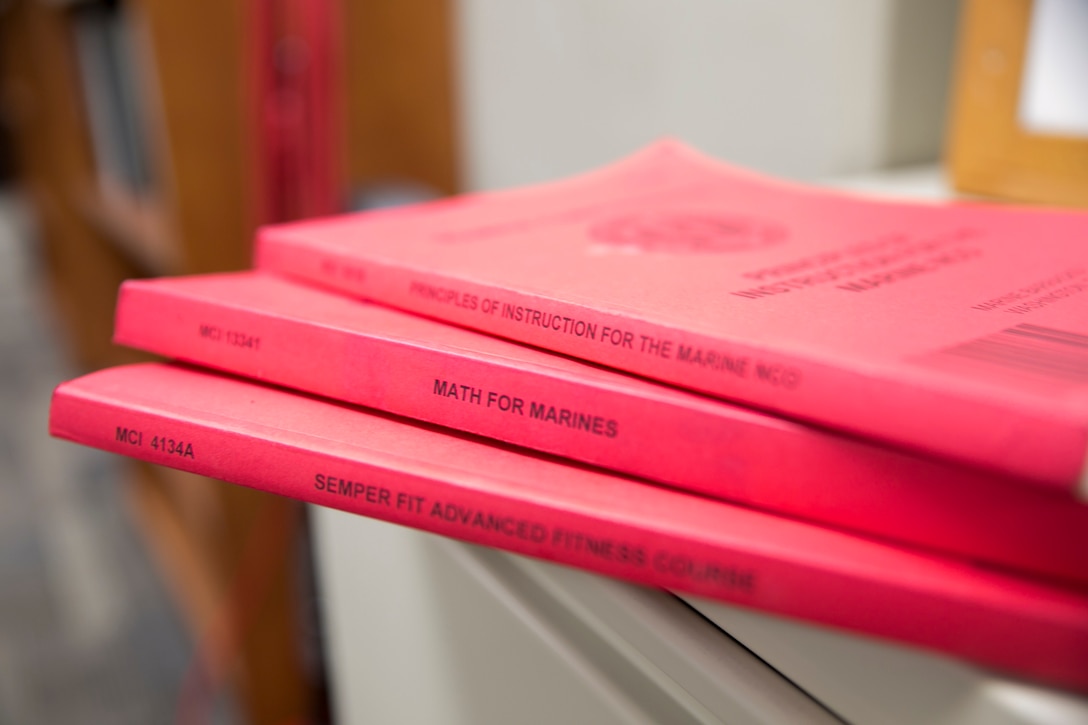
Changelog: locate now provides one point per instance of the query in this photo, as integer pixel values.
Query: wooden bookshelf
(198, 212)
(138, 229)
(236, 547)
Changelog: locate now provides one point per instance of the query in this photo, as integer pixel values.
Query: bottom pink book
(344, 457)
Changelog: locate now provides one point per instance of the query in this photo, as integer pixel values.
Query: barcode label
(1033, 349)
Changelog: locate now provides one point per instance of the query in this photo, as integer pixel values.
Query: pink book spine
(655, 537)
(670, 437)
(1049, 451)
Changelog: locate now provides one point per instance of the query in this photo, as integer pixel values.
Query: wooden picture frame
(990, 153)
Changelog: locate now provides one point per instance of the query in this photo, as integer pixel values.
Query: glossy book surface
(272, 330)
(342, 457)
(957, 330)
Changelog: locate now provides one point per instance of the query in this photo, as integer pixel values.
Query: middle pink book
(279, 332)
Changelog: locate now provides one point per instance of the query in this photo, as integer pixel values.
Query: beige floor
(87, 633)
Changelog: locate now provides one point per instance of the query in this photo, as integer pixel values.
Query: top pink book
(957, 330)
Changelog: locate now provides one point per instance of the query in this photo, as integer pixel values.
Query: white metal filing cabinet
(421, 629)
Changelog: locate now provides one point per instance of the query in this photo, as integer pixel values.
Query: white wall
(801, 88)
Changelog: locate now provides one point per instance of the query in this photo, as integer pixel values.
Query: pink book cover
(339, 456)
(956, 330)
(276, 331)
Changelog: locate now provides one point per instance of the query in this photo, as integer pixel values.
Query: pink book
(343, 457)
(956, 330)
(294, 59)
(276, 331)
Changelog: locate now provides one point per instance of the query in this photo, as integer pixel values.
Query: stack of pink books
(867, 414)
